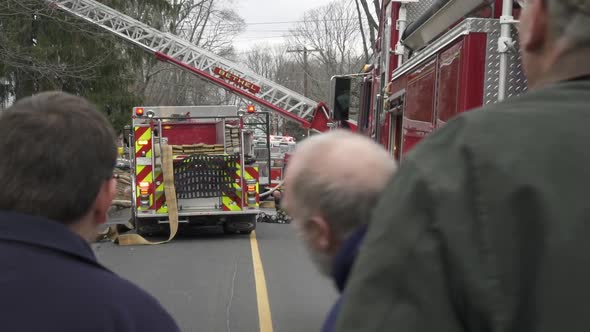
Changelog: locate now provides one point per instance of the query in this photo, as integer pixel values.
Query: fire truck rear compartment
(216, 180)
(207, 186)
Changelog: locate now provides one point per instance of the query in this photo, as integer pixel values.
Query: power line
(259, 38)
(305, 51)
(212, 29)
(284, 22)
(303, 21)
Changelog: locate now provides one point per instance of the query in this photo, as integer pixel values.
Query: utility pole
(34, 29)
(305, 52)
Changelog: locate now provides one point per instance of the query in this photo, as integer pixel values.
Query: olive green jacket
(486, 225)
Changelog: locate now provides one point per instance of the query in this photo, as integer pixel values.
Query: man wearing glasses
(57, 155)
(486, 225)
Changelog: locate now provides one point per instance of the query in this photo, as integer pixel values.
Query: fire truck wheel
(228, 230)
(243, 225)
(148, 227)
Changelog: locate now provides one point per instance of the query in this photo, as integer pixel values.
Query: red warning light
(139, 111)
(251, 109)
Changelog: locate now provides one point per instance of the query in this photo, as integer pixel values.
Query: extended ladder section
(172, 49)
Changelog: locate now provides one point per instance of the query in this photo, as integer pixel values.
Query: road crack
(231, 297)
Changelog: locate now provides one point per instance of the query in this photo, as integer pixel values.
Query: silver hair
(342, 205)
(571, 19)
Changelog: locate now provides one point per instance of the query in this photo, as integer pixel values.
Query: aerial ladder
(226, 74)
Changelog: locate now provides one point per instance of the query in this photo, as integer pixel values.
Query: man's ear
(319, 233)
(104, 199)
(534, 26)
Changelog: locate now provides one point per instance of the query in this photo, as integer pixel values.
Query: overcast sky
(261, 15)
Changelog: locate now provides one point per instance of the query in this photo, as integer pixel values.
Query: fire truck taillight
(139, 111)
(144, 188)
(142, 142)
(251, 193)
(144, 194)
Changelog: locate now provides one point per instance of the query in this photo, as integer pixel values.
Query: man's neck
(84, 229)
(566, 67)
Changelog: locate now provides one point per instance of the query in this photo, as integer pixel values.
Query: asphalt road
(207, 282)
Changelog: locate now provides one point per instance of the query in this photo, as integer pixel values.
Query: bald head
(332, 173)
(554, 40)
(333, 182)
(344, 155)
(341, 155)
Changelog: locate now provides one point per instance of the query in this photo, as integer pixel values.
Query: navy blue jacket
(342, 265)
(50, 281)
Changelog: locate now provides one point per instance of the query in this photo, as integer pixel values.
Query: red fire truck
(215, 175)
(433, 60)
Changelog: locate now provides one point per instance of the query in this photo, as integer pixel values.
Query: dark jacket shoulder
(51, 281)
(484, 226)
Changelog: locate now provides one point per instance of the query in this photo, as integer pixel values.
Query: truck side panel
(448, 84)
(473, 65)
(419, 109)
(460, 81)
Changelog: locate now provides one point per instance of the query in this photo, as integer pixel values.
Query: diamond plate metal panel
(415, 10)
(516, 82)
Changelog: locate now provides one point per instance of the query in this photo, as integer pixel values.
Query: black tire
(148, 227)
(227, 229)
(242, 225)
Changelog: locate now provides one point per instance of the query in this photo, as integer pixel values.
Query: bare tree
(362, 30)
(273, 63)
(333, 31)
(373, 24)
(209, 24)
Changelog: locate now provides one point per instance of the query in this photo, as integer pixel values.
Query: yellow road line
(264, 316)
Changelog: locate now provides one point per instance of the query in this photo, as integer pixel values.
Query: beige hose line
(266, 193)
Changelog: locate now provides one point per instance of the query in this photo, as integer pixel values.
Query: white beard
(322, 261)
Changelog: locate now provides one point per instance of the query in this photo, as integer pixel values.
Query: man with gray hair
(332, 184)
(485, 227)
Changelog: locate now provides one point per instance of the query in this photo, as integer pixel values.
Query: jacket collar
(579, 78)
(42, 232)
(346, 256)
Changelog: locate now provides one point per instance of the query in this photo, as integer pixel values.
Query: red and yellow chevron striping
(231, 202)
(143, 174)
(250, 175)
(143, 142)
(160, 201)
